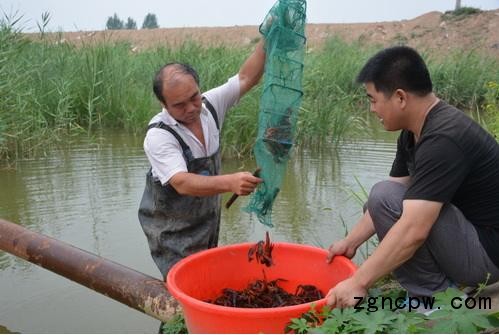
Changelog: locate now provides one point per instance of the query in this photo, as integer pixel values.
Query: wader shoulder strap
(185, 148)
(212, 111)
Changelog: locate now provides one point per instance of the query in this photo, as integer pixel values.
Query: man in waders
(181, 204)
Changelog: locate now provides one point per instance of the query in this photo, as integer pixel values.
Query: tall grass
(51, 90)
(491, 107)
(333, 103)
(460, 79)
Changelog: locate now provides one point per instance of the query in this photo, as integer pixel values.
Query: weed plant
(176, 325)
(374, 316)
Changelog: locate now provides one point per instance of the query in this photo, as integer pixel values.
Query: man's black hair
(399, 67)
(157, 84)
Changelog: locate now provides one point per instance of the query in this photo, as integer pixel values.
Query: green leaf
(375, 322)
(494, 319)
(337, 321)
(443, 327)
(331, 326)
(176, 325)
(461, 320)
(406, 322)
(299, 325)
(445, 298)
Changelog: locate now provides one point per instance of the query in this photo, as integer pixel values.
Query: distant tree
(114, 22)
(150, 22)
(131, 24)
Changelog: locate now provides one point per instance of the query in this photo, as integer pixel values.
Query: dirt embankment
(433, 32)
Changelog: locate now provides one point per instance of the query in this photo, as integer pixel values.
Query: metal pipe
(134, 289)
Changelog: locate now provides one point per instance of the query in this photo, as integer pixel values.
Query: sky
(76, 15)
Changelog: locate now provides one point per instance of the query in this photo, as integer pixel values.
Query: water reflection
(88, 194)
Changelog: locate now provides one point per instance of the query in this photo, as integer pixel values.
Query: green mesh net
(284, 32)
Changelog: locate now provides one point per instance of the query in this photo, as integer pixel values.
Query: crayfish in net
(262, 251)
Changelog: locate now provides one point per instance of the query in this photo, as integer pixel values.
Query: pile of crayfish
(264, 293)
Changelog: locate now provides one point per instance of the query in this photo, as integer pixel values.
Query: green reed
(50, 90)
(462, 76)
(333, 103)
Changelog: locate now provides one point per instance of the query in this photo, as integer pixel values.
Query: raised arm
(252, 69)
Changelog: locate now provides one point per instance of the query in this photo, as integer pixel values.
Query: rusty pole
(134, 289)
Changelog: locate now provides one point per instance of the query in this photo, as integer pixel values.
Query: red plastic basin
(204, 275)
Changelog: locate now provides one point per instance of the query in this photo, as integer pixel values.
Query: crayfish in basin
(264, 293)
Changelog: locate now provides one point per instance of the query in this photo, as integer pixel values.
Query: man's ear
(401, 97)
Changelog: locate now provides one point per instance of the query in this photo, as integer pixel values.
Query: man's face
(387, 109)
(183, 99)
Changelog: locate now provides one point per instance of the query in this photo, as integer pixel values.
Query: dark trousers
(452, 252)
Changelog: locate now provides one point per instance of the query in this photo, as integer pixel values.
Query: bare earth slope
(431, 31)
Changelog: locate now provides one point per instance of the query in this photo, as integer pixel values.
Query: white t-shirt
(164, 151)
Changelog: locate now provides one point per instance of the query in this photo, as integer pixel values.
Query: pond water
(87, 195)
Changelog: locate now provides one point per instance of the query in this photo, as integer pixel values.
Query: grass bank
(50, 91)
